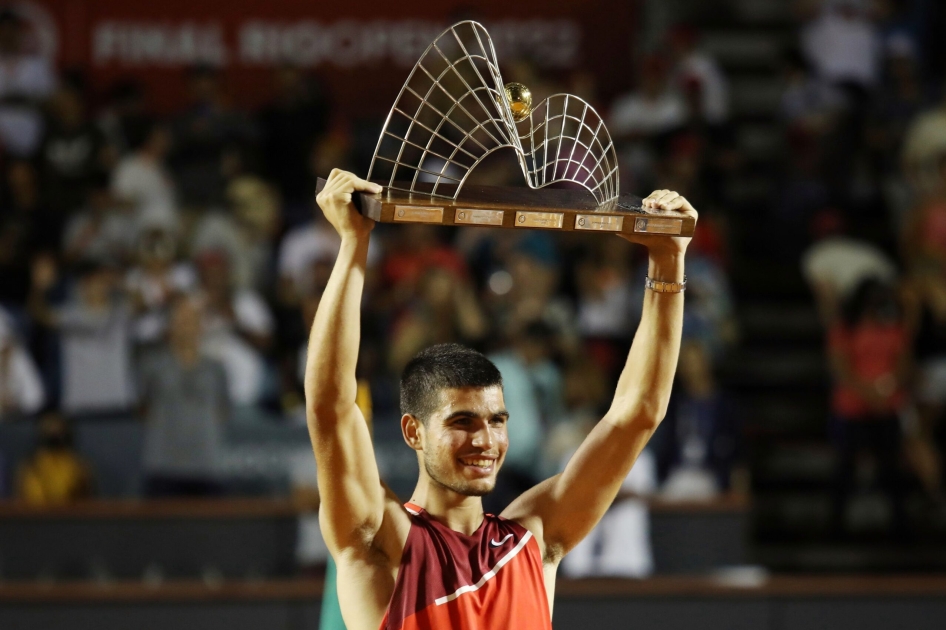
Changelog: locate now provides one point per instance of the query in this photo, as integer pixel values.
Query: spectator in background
(653, 108)
(72, 152)
(22, 217)
(697, 445)
(95, 336)
(246, 233)
(291, 126)
(155, 281)
(205, 134)
(532, 386)
(122, 116)
(870, 359)
(141, 180)
(300, 248)
(845, 49)
(927, 317)
(102, 231)
(843, 45)
(924, 239)
(185, 405)
(606, 309)
(21, 388)
(923, 149)
(809, 104)
(696, 69)
(444, 309)
(237, 326)
(26, 81)
(894, 107)
(836, 264)
(523, 275)
(55, 473)
(620, 544)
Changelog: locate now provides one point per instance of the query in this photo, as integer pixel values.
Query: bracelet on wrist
(658, 286)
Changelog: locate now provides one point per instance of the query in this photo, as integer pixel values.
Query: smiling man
(438, 561)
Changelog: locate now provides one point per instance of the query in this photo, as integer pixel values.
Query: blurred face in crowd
(653, 77)
(68, 108)
(437, 289)
(288, 82)
(214, 269)
(54, 432)
(694, 368)
(463, 443)
(22, 183)
(156, 250)
(95, 287)
(203, 86)
(159, 143)
(185, 327)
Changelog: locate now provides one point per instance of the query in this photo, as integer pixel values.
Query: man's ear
(413, 431)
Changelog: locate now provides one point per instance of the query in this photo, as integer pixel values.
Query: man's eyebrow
(466, 413)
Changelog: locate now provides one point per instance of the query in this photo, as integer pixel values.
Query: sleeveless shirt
(490, 579)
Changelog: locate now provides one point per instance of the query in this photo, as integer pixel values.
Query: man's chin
(477, 490)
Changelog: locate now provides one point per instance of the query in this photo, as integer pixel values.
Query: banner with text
(362, 50)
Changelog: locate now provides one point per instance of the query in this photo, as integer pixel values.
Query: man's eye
(499, 420)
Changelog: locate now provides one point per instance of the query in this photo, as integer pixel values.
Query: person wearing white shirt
(26, 80)
(697, 66)
(843, 45)
(21, 388)
(652, 109)
(141, 180)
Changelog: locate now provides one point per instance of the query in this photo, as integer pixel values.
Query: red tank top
(490, 579)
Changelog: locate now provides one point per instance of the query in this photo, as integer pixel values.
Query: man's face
(465, 439)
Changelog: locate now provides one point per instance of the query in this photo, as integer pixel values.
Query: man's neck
(459, 512)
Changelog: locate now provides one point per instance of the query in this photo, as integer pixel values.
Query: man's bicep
(349, 483)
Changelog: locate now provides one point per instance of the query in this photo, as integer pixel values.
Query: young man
(439, 561)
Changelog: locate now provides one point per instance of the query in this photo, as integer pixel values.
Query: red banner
(363, 50)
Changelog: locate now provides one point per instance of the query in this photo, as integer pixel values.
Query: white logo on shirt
(501, 542)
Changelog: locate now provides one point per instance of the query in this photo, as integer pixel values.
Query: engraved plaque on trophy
(454, 110)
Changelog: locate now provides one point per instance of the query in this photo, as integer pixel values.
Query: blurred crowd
(864, 189)
(168, 267)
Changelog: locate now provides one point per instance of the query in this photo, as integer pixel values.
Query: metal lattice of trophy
(454, 110)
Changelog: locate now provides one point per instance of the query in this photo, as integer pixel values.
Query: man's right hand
(335, 202)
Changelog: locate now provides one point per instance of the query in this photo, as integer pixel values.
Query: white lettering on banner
(310, 43)
(158, 44)
(345, 43)
(349, 43)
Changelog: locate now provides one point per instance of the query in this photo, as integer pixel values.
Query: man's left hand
(666, 200)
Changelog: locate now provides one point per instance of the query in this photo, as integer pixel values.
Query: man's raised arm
(567, 506)
(349, 482)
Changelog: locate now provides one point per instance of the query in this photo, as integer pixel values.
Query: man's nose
(483, 438)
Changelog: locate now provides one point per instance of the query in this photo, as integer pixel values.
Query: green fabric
(331, 612)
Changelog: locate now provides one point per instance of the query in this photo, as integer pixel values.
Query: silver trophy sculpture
(455, 109)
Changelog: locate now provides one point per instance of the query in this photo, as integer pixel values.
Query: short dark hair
(444, 366)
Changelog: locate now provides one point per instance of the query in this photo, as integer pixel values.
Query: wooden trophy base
(522, 208)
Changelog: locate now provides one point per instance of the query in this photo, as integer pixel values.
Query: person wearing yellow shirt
(55, 473)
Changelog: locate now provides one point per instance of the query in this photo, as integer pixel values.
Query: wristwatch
(658, 286)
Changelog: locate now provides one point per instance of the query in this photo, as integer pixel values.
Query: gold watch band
(658, 286)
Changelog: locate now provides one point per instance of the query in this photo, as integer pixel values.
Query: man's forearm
(333, 342)
(643, 391)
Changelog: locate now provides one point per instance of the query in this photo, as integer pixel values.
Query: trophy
(454, 110)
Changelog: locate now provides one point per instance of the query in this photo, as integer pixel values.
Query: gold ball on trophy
(519, 98)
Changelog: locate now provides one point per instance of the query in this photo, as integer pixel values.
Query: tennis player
(438, 561)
